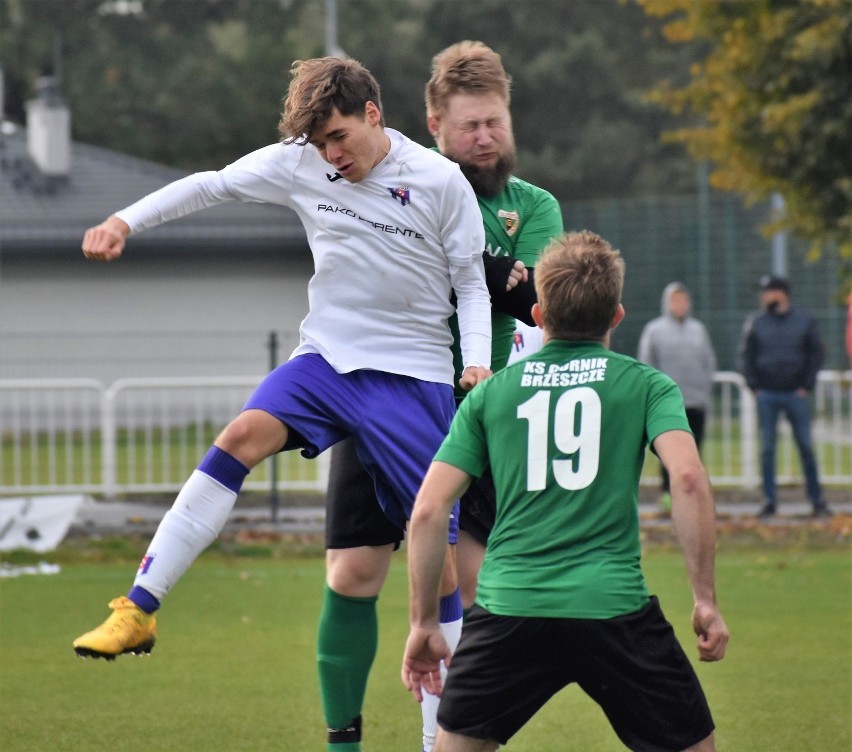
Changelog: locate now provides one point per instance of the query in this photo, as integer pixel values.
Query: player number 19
(579, 439)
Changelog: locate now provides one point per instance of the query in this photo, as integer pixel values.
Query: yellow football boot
(128, 630)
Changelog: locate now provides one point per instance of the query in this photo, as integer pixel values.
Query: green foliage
(198, 83)
(192, 84)
(579, 69)
(234, 665)
(775, 97)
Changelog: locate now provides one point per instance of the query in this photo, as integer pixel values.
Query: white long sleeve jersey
(387, 251)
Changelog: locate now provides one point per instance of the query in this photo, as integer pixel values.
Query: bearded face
(475, 131)
(488, 181)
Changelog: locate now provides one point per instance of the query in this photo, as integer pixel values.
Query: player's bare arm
(694, 519)
(427, 547)
(105, 241)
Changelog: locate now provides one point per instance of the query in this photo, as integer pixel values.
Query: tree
(580, 69)
(775, 95)
(193, 84)
(197, 83)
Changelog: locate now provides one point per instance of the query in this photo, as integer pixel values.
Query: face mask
(772, 307)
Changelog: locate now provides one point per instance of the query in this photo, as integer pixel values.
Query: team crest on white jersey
(511, 221)
(403, 194)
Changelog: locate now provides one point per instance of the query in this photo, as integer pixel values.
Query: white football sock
(429, 707)
(196, 518)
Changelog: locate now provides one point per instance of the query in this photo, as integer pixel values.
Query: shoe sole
(142, 649)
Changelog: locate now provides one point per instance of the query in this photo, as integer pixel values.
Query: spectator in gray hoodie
(678, 345)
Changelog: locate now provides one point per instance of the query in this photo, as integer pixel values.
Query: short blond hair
(467, 67)
(320, 86)
(579, 279)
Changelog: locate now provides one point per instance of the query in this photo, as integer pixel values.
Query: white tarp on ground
(36, 523)
(16, 570)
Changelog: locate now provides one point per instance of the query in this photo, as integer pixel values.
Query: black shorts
(506, 668)
(479, 508)
(353, 515)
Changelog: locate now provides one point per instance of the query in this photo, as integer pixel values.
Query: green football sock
(347, 639)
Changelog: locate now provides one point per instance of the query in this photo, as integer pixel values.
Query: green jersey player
(519, 222)
(561, 596)
(467, 100)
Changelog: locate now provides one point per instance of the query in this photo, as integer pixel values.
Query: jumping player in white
(394, 229)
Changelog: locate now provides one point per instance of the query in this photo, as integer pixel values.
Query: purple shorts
(398, 422)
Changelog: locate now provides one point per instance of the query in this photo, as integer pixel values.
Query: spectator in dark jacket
(781, 353)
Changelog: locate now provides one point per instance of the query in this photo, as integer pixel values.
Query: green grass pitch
(234, 665)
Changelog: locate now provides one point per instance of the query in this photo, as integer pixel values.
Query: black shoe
(822, 510)
(767, 511)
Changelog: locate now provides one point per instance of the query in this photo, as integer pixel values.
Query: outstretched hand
(425, 649)
(105, 241)
(712, 632)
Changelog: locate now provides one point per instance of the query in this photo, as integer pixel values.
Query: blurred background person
(781, 353)
(678, 344)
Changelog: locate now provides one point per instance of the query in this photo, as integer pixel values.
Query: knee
(360, 582)
(237, 434)
(806, 449)
(252, 437)
(707, 744)
(356, 573)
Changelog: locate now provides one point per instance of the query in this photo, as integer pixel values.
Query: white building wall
(148, 316)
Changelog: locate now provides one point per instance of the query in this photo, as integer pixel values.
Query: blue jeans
(797, 409)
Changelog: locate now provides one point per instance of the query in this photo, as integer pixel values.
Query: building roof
(40, 213)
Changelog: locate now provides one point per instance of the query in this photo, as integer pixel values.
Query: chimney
(49, 129)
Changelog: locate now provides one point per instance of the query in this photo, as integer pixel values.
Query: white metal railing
(730, 432)
(136, 436)
(832, 430)
(147, 435)
(49, 435)
(731, 444)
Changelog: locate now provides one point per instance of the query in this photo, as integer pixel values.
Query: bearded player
(467, 106)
